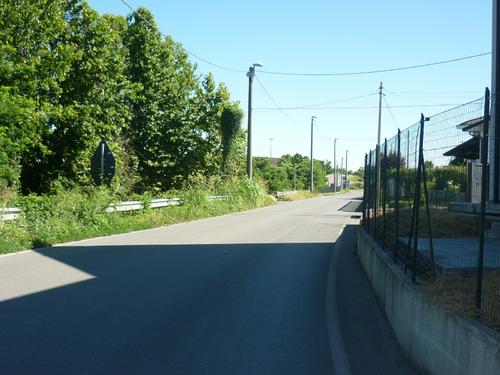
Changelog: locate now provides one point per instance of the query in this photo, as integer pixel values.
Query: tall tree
(162, 118)
(94, 94)
(34, 62)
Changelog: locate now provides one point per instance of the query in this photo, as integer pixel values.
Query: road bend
(276, 290)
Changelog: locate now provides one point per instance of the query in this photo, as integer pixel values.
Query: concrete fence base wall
(436, 341)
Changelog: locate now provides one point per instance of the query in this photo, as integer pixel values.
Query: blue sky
(329, 37)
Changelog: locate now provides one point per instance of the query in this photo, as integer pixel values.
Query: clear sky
(333, 37)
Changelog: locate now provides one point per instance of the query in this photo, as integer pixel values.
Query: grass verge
(296, 196)
(80, 214)
(457, 291)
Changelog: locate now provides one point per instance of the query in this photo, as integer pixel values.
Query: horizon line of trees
(291, 172)
(70, 77)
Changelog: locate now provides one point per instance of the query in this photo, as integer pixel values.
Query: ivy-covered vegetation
(80, 213)
(70, 77)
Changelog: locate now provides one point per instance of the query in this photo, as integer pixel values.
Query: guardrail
(8, 214)
(12, 213)
(137, 205)
(284, 193)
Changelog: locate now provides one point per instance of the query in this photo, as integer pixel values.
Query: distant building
(470, 152)
(331, 180)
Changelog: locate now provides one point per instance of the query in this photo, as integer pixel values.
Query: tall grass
(79, 214)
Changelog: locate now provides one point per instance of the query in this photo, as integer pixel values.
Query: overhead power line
(276, 106)
(222, 67)
(270, 109)
(184, 48)
(390, 112)
(378, 70)
(314, 106)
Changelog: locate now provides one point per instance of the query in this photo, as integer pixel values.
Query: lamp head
(259, 64)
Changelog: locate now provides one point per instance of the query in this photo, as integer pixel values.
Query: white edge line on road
(339, 356)
(70, 243)
(15, 253)
(164, 226)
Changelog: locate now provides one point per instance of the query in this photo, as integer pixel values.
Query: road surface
(268, 291)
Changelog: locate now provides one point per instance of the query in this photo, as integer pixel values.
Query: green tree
(163, 118)
(94, 96)
(35, 60)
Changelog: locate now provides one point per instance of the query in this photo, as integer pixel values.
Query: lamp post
(250, 75)
(311, 165)
(341, 176)
(271, 148)
(346, 173)
(335, 165)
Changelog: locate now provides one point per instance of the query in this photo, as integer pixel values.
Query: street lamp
(311, 166)
(335, 165)
(271, 148)
(250, 75)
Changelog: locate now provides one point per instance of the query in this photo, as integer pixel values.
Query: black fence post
(364, 191)
(368, 213)
(396, 203)
(417, 196)
(377, 190)
(484, 192)
(384, 191)
(428, 212)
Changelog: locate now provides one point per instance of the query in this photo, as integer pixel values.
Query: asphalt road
(268, 291)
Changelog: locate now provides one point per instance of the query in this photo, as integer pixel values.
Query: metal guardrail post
(484, 192)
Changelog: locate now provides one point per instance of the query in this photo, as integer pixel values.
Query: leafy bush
(80, 213)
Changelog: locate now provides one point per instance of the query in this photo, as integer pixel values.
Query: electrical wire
(378, 70)
(271, 109)
(320, 133)
(390, 112)
(337, 101)
(198, 57)
(185, 49)
(432, 92)
(276, 106)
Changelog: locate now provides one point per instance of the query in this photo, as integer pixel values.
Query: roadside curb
(338, 352)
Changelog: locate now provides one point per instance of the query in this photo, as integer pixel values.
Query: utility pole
(335, 165)
(346, 173)
(380, 94)
(311, 173)
(341, 167)
(270, 148)
(250, 75)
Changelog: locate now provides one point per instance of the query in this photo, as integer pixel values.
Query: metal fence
(425, 202)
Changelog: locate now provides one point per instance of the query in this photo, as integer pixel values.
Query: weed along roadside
(296, 195)
(80, 214)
